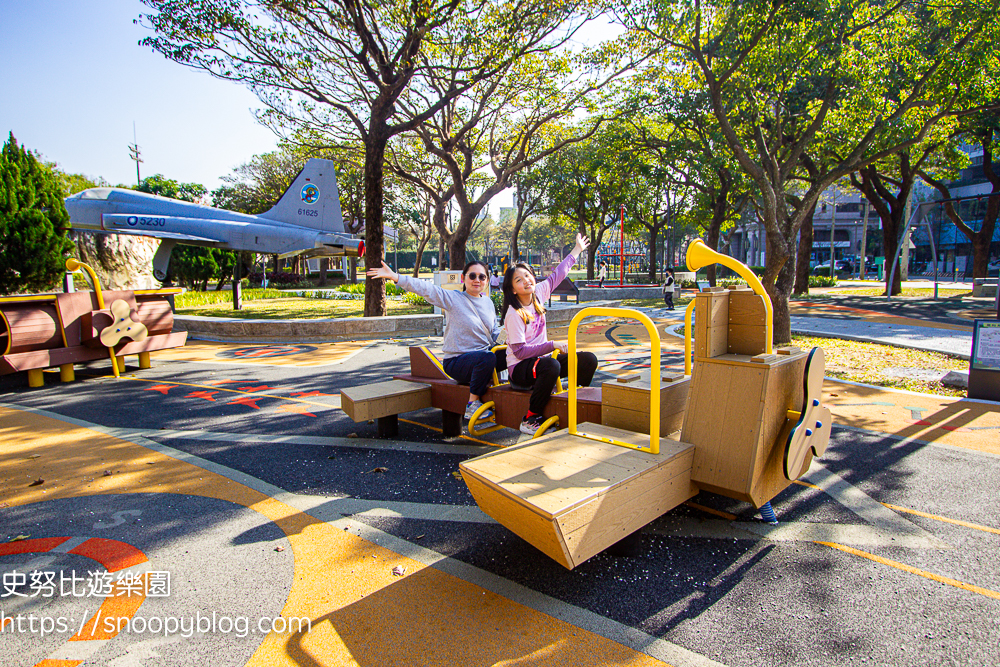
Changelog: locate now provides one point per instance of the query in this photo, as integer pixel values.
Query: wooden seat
(384, 402)
(572, 497)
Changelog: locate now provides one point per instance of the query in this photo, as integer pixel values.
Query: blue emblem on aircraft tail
(310, 193)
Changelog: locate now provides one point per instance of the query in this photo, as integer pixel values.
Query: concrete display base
(232, 330)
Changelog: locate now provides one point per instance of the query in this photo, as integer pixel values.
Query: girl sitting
(527, 341)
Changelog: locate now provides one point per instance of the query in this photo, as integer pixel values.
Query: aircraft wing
(183, 238)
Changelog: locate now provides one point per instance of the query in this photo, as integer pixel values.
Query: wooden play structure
(752, 416)
(747, 420)
(59, 330)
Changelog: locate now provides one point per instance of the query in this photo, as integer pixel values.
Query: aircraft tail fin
(312, 200)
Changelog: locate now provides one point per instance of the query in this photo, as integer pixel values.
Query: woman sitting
(472, 328)
(527, 340)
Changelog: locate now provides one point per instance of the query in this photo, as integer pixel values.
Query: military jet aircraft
(306, 220)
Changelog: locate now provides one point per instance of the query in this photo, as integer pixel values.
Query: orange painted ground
(361, 612)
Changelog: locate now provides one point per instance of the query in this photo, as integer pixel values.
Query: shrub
(822, 281)
(413, 299)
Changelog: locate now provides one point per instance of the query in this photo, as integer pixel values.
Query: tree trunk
(374, 201)
(653, 235)
(456, 252)
(324, 266)
(779, 276)
(890, 241)
(712, 241)
(515, 254)
(419, 257)
(803, 255)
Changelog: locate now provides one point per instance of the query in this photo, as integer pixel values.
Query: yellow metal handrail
(700, 255)
(687, 337)
(654, 378)
(73, 266)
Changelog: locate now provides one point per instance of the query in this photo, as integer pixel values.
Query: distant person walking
(668, 289)
(602, 274)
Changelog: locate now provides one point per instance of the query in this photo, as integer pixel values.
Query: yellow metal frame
(496, 377)
(475, 418)
(554, 419)
(687, 337)
(73, 266)
(698, 250)
(654, 378)
(436, 361)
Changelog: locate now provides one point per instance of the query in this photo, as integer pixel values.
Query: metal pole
(833, 228)
(862, 272)
(621, 256)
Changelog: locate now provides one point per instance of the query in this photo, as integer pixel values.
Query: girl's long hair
(510, 299)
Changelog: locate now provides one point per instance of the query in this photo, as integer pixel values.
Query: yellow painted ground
(325, 354)
(952, 421)
(362, 614)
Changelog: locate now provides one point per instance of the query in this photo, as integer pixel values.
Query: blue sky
(73, 79)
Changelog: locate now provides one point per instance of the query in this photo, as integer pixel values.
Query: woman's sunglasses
(477, 276)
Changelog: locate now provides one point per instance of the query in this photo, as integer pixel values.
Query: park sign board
(984, 362)
(986, 345)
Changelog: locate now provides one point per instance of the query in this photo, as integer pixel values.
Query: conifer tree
(33, 223)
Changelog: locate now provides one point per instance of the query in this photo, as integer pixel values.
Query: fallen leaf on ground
(457, 475)
(108, 473)
(37, 482)
(279, 548)
(399, 570)
(19, 538)
(379, 469)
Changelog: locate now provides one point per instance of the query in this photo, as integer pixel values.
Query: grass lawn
(864, 362)
(297, 308)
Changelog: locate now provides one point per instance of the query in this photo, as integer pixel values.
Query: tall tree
(583, 188)
(503, 126)
(865, 77)
(982, 131)
(316, 63)
(33, 222)
(529, 200)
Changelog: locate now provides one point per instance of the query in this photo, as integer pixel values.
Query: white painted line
(866, 507)
(69, 545)
(314, 440)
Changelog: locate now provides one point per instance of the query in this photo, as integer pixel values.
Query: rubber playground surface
(220, 509)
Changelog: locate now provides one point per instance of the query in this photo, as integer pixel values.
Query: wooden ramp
(572, 497)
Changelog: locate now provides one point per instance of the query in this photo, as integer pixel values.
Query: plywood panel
(422, 364)
(538, 531)
(746, 307)
(624, 519)
(747, 339)
(723, 423)
(784, 392)
(658, 472)
(711, 322)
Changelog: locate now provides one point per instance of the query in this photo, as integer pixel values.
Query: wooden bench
(384, 402)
